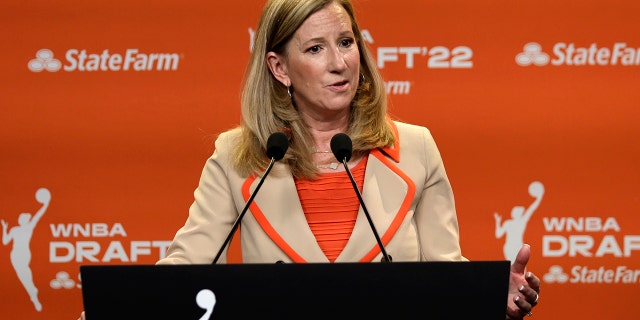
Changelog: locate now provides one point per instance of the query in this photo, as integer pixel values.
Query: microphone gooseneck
(277, 146)
(342, 148)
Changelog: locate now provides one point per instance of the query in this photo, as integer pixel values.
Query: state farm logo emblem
(532, 54)
(555, 274)
(44, 60)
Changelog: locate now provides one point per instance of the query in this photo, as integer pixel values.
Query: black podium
(398, 290)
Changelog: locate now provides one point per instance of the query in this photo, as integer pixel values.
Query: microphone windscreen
(277, 145)
(341, 147)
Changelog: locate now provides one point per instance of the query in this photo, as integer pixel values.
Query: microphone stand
(246, 207)
(385, 256)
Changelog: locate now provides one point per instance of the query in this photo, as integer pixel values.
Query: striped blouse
(331, 207)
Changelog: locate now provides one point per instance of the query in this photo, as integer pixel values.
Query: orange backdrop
(112, 106)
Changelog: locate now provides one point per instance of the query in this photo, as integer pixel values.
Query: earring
(289, 91)
(361, 77)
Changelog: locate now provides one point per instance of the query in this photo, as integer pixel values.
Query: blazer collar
(393, 152)
(387, 194)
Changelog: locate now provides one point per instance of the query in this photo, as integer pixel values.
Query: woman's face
(322, 63)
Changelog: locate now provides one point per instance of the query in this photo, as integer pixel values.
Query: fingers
(524, 308)
(524, 302)
(533, 281)
(530, 295)
(524, 288)
(521, 260)
(534, 284)
(517, 309)
(524, 299)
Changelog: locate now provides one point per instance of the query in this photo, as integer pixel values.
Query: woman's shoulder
(234, 132)
(229, 136)
(405, 128)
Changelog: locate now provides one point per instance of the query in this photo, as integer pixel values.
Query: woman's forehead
(332, 19)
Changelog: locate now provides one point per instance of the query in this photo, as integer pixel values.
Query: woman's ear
(278, 68)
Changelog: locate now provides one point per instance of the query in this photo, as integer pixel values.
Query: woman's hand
(524, 288)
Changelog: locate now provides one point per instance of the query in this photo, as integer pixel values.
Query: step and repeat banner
(109, 110)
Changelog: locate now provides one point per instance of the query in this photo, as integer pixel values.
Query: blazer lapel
(387, 193)
(281, 217)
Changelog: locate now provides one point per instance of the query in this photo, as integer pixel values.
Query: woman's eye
(346, 42)
(314, 49)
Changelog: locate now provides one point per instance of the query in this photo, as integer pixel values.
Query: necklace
(332, 166)
(329, 165)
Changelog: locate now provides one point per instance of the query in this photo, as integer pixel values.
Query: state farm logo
(532, 54)
(593, 275)
(571, 54)
(81, 60)
(44, 60)
(555, 274)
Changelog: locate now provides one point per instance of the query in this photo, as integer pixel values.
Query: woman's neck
(322, 133)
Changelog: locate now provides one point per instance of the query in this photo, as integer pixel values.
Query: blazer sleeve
(211, 214)
(435, 215)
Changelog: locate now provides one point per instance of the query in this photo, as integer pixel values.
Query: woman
(311, 76)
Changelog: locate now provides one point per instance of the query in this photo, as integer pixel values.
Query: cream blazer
(406, 192)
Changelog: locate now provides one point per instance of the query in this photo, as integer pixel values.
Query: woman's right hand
(82, 316)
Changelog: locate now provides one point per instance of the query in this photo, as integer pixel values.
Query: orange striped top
(331, 207)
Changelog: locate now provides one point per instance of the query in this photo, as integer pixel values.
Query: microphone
(342, 149)
(277, 146)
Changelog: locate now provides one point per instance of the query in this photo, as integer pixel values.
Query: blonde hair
(268, 108)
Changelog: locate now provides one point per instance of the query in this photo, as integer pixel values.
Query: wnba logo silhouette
(513, 229)
(20, 236)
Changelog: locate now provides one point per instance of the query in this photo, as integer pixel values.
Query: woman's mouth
(340, 85)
